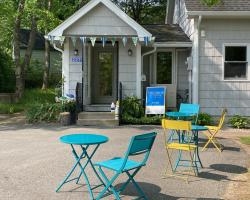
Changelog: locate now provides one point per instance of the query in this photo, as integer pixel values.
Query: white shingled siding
(100, 21)
(75, 68)
(181, 18)
(214, 93)
(127, 69)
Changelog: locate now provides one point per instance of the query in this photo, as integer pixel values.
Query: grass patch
(245, 140)
(30, 97)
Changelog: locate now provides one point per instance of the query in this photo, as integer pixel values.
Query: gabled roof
(58, 31)
(167, 33)
(224, 5)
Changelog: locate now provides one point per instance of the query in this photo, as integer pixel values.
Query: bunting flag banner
(104, 39)
(153, 39)
(62, 38)
(83, 39)
(113, 41)
(92, 39)
(135, 40)
(124, 41)
(146, 41)
(73, 39)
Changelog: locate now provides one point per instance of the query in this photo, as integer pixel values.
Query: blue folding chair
(140, 144)
(192, 109)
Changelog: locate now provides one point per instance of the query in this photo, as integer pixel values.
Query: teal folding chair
(140, 144)
(192, 109)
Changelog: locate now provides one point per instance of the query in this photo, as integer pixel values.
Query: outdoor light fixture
(76, 52)
(130, 52)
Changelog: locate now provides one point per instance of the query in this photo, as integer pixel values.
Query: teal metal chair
(140, 144)
(192, 109)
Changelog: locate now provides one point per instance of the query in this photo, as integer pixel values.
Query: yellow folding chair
(212, 131)
(184, 132)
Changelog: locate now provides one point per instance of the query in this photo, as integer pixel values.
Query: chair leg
(108, 185)
(123, 187)
(213, 140)
(131, 177)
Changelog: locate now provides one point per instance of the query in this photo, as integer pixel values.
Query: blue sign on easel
(155, 100)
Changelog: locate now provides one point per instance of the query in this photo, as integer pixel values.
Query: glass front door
(166, 75)
(104, 76)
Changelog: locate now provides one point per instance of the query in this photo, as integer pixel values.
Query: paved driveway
(33, 162)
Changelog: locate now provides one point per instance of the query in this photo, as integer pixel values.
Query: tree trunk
(47, 66)
(28, 52)
(16, 49)
(47, 57)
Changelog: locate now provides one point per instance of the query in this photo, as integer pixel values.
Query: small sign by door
(155, 100)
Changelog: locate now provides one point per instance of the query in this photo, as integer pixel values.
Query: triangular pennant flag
(62, 38)
(104, 39)
(73, 39)
(83, 39)
(113, 41)
(124, 41)
(153, 39)
(146, 41)
(93, 39)
(135, 40)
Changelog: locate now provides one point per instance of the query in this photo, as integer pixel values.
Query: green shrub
(43, 112)
(154, 120)
(239, 122)
(6, 108)
(204, 119)
(7, 73)
(131, 106)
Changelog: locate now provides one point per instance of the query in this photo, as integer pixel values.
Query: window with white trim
(235, 62)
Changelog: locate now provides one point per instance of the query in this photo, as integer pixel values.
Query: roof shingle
(167, 33)
(224, 5)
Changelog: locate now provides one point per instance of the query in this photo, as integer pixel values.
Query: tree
(144, 11)
(211, 2)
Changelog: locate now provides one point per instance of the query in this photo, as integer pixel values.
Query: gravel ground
(33, 162)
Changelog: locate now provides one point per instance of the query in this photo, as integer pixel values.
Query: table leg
(71, 171)
(89, 161)
(196, 139)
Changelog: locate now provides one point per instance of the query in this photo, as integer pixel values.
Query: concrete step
(97, 108)
(97, 122)
(96, 115)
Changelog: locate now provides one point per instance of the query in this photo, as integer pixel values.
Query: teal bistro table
(178, 115)
(196, 129)
(84, 141)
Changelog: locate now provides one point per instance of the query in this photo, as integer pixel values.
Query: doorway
(104, 75)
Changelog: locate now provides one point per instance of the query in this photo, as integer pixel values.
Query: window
(164, 68)
(235, 63)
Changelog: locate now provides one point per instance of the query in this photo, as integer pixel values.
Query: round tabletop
(199, 128)
(84, 139)
(179, 114)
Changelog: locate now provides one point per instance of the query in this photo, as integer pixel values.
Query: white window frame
(247, 45)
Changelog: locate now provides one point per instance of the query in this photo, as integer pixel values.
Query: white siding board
(100, 21)
(214, 93)
(127, 69)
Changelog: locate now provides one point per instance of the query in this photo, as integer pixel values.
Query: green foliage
(34, 75)
(144, 11)
(6, 108)
(7, 73)
(30, 97)
(154, 120)
(239, 122)
(47, 112)
(131, 106)
(204, 119)
(245, 140)
(211, 2)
